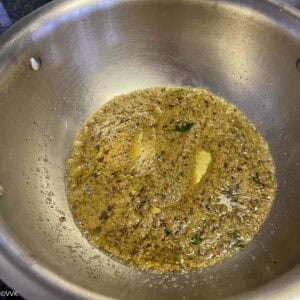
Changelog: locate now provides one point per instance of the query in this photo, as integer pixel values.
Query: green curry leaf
(184, 126)
(196, 239)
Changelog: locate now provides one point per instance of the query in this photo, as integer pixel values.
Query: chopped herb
(184, 126)
(96, 230)
(235, 235)
(240, 244)
(196, 239)
(257, 179)
(167, 231)
(237, 240)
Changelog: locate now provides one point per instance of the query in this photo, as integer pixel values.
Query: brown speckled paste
(170, 179)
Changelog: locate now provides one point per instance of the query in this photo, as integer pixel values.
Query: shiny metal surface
(83, 53)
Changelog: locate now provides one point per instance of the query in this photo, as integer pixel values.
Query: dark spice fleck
(106, 213)
(97, 230)
(62, 219)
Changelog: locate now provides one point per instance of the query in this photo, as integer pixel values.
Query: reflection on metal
(35, 63)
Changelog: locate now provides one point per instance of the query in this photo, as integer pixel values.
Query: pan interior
(90, 51)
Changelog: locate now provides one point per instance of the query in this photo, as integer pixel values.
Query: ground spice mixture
(170, 179)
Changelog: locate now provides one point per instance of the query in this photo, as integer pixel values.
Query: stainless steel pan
(61, 63)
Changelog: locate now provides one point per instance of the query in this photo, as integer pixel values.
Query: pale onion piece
(143, 148)
(202, 161)
(115, 151)
(136, 147)
(223, 200)
(155, 210)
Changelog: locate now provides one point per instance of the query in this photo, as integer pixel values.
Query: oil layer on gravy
(170, 179)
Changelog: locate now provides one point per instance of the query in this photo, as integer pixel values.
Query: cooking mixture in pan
(170, 179)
